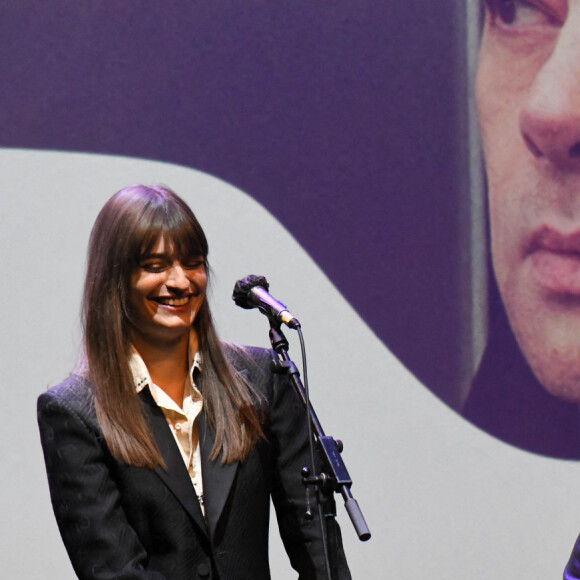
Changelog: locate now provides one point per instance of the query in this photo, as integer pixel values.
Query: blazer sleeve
(302, 538)
(99, 540)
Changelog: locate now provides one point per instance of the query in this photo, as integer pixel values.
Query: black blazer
(125, 522)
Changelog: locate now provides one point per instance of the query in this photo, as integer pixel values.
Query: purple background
(344, 119)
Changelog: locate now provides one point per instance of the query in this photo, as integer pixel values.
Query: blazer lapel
(217, 477)
(176, 476)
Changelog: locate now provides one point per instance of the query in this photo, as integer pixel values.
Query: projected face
(528, 97)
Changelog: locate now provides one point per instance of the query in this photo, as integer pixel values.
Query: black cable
(312, 453)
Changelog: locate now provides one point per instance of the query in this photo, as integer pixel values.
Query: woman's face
(166, 293)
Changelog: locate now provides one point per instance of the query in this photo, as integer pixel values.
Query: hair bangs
(168, 218)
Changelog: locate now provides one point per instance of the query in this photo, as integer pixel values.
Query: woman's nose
(177, 278)
(550, 119)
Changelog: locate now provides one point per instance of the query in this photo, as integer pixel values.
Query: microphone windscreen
(242, 294)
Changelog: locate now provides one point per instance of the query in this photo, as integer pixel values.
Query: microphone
(252, 292)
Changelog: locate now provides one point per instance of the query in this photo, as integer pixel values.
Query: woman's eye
(193, 264)
(153, 266)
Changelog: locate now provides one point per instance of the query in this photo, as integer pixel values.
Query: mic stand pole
(334, 478)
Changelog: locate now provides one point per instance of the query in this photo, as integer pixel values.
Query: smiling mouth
(171, 301)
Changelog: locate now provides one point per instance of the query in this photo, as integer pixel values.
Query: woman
(163, 449)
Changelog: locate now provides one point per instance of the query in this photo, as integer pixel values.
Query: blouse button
(177, 426)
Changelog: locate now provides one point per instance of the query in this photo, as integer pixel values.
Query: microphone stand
(334, 477)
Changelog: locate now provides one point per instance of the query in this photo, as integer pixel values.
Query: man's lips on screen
(555, 258)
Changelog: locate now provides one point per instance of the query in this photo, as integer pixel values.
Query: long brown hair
(128, 226)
